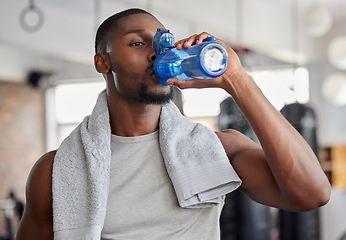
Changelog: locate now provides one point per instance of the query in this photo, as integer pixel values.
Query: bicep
(248, 160)
(258, 181)
(37, 221)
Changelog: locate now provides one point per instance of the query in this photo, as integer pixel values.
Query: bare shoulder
(39, 184)
(235, 142)
(37, 220)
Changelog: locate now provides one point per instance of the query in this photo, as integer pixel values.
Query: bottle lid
(162, 40)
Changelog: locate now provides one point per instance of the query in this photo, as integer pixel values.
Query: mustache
(150, 70)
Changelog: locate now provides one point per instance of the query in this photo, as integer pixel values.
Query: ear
(101, 62)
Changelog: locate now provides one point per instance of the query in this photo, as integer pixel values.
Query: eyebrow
(135, 31)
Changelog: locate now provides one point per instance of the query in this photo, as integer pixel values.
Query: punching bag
(301, 225)
(241, 218)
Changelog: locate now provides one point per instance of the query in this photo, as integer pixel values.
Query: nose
(151, 56)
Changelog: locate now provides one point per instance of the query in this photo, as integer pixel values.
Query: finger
(202, 36)
(194, 39)
(185, 43)
(193, 83)
(180, 83)
(191, 40)
(179, 44)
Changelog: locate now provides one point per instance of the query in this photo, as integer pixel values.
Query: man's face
(132, 60)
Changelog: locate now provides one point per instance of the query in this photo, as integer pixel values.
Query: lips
(153, 75)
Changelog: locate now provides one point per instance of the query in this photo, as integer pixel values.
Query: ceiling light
(334, 88)
(337, 52)
(318, 20)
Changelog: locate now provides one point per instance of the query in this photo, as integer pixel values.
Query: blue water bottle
(205, 60)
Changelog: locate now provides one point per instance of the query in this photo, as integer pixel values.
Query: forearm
(293, 164)
(291, 170)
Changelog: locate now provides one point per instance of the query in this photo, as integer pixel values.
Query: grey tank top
(142, 203)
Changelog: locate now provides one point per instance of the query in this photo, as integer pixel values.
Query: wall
(22, 134)
(331, 118)
(333, 216)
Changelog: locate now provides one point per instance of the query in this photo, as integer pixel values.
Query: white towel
(194, 157)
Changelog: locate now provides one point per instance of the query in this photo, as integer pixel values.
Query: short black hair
(108, 27)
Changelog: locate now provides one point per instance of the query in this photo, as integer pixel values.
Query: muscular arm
(37, 221)
(297, 178)
(285, 172)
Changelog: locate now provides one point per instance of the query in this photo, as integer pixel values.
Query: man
(284, 173)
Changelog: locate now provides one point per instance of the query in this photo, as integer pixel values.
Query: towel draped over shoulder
(194, 158)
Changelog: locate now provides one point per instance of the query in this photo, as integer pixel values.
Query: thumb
(182, 84)
(193, 83)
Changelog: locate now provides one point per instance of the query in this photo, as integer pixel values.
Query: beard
(154, 98)
(142, 93)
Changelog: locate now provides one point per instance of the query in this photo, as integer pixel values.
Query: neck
(130, 119)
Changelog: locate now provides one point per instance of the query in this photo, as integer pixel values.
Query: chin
(156, 97)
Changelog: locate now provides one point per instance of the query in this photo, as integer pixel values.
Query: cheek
(126, 72)
(130, 62)
(125, 82)
(130, 69)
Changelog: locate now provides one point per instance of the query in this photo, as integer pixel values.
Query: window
(280, 86)
(68, 104)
